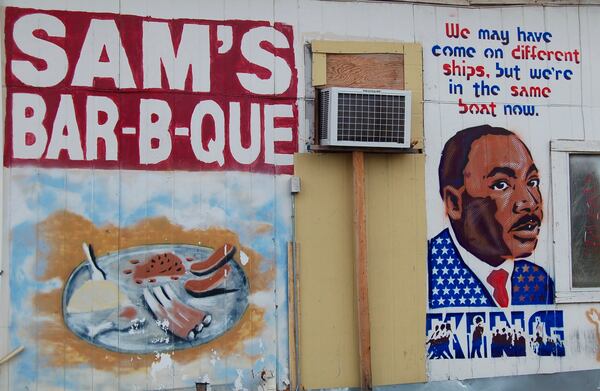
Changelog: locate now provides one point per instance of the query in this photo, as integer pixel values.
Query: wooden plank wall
(396, 234)
(396, 251)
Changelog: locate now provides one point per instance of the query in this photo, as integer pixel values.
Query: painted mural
(111, 312)
(147, 163)
(167, 140)
(489, 184)
(491, 289)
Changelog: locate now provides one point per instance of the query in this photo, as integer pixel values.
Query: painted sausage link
(196, 287)
(217, 259)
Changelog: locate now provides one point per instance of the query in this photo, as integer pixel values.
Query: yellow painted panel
(417, 129)
(397, 260)
(356, 47)
(319, 69)
(396, 251)
(328, 330)
(397, 244)
(413, 81)
(413, 53)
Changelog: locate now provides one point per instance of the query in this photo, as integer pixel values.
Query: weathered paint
(482, 222)
(571, 111)
(213, 72)
(396, 339)
(490, 187)
(174, 180)
(566, 339)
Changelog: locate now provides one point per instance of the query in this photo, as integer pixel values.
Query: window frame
(560, 150)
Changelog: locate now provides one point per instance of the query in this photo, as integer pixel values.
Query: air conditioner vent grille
(364, 117)
(324, 119)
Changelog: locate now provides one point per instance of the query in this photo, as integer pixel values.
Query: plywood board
(396, 253)
(328, 327)
(385, 71)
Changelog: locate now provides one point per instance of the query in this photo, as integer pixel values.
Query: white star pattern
(458, 287)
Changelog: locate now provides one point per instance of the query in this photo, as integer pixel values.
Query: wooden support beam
(362, 289)
(292, 337)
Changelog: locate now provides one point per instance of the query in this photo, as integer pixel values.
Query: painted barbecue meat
(217, 259)
(179, 318)
(197, 287)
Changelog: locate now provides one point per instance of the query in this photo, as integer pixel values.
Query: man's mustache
(527, 219)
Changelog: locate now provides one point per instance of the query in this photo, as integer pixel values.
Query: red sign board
(115, 91)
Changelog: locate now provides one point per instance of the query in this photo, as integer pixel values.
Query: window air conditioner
(356, 117)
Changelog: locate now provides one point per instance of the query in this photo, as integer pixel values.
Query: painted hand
(593, 316)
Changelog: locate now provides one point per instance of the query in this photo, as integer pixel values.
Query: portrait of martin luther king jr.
(489, 184)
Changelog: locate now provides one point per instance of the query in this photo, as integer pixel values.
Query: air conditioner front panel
(370, 118)
(366, 118)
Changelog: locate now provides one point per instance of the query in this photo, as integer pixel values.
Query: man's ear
(453, 202)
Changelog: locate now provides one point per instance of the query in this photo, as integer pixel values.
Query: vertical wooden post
(292, 327)
(362, 289)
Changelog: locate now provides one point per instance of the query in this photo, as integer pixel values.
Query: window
(576, 207)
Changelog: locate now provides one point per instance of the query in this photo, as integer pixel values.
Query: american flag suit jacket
(453, 284)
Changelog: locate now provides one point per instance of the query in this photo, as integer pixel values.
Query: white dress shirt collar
(482, 270)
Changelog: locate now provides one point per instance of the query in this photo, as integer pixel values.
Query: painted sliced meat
(159, 265)
(199, 286)
(217, 259)
(179, 318)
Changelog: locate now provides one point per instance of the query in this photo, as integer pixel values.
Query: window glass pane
(584, 172)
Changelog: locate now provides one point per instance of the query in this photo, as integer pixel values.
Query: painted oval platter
(156, 298)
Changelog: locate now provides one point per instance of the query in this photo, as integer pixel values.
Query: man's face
(501, 203)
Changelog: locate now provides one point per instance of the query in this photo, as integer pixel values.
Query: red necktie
(497, 279)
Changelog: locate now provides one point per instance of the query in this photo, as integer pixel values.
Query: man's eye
(534, 182)
(500, 185)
